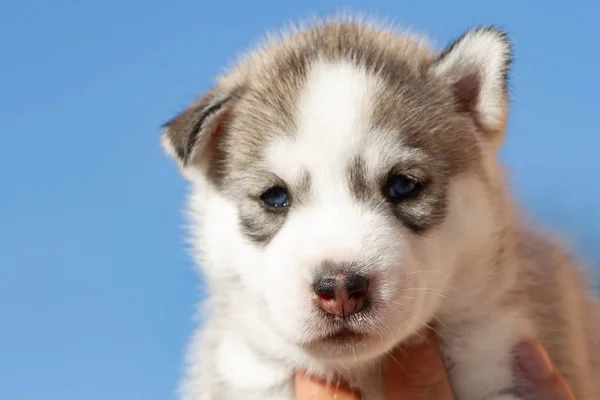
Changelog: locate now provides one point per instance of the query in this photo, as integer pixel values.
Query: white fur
(496, 336)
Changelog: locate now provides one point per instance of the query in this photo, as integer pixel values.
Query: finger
(417, 373)
(310, 388)
(541, 379)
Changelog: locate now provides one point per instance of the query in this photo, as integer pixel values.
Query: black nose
(341, 295)
(357, 286)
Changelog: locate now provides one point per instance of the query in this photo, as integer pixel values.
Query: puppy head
(340, 179)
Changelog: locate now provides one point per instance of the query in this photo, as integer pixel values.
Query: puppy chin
(350, 349)
(351, 346)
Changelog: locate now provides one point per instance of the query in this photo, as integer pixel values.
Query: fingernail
(534, 361)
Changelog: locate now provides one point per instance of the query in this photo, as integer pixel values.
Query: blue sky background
(96, 291)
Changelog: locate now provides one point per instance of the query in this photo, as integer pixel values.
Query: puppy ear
(193, 134)
(477, 67)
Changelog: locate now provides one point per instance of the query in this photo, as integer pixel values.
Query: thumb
(541, 381)
(417, 373)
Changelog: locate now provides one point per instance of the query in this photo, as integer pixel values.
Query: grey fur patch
(331, 268)
(358, 179)
(259, 224)
(419, 213)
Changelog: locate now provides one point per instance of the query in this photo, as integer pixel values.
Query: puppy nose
(341, 295)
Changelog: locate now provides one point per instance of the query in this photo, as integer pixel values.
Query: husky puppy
(346, 193)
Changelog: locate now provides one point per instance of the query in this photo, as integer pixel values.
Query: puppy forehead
(324, 97)
(331, 121)
(336, 127)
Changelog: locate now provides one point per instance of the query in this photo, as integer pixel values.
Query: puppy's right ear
(193, 135)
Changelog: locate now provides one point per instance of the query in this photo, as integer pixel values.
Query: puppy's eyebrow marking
(357, 178)
(389, 150)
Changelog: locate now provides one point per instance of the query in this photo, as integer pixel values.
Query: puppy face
(339, 180)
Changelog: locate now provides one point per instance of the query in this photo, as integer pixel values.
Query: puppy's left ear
(477, 67)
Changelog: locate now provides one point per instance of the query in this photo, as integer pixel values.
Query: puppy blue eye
(401, 187)
(276, 197)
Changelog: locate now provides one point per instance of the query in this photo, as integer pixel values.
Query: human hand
(418, 373)
(541, 380)
(413, 373)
